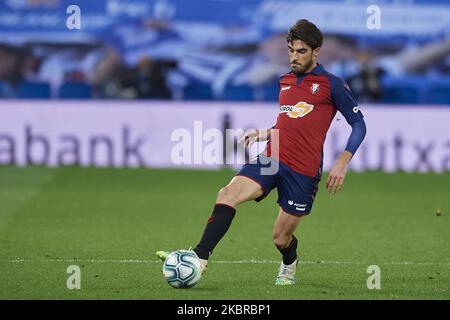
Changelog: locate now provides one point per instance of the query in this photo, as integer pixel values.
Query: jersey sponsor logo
(315, 88)
(286, 88)
(300, 110)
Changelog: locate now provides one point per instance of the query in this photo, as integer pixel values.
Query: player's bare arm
(338, 172)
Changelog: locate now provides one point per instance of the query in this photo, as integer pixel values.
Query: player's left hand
(337, 174)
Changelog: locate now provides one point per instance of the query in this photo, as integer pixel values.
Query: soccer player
(309, 99)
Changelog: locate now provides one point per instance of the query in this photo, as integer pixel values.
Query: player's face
(301, 56)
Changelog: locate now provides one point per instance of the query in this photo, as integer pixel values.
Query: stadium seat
(400, 94)
(5, 90)
(439, 95)
(75, 90)
(438, 91)
(269, 92)
(2, 89)
(238, 93)
(407, 89)
(197, 91)
(33, 90)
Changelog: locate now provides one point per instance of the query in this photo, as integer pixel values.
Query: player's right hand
(254, 135)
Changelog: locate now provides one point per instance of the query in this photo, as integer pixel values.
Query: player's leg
(249, 184)
(283, 235)
(286, 243)
(239, 190)
(296, 194)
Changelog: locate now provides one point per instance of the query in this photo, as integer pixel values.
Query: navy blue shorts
(296, 192)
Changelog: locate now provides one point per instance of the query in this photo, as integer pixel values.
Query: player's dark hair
(307, 32)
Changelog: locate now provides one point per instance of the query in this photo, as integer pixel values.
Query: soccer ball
(182, 269)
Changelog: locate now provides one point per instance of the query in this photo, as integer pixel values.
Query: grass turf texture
(98, 218)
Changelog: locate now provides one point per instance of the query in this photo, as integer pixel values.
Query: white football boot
(286, 275)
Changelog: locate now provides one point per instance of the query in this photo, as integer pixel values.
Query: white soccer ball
(182, 269)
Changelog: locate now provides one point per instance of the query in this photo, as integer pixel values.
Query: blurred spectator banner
(132, 134)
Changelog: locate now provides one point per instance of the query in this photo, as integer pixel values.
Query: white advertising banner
(180, 134)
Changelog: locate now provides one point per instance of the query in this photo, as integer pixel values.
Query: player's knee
(281, 241)
(228, 196)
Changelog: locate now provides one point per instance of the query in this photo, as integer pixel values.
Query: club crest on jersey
(314, 88)
(300, 110)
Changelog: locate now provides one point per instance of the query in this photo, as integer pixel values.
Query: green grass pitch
(109, 222)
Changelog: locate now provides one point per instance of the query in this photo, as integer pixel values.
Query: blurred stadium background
(213, 50)
(113, 94)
